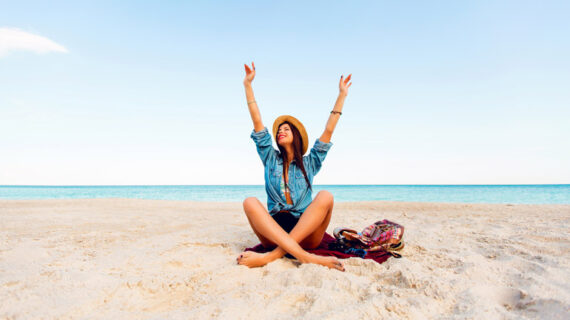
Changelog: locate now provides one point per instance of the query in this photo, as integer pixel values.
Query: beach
(157, 259)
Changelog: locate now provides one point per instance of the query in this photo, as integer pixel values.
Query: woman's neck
(290, 154)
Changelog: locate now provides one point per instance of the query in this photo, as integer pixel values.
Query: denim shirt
(273, 164)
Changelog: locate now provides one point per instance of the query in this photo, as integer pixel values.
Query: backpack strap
(340, 233)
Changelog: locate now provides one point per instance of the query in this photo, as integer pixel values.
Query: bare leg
(311, 227)
(322, 203)
(264, 241)
(308, 231)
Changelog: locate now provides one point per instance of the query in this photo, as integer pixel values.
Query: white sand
(124, 258)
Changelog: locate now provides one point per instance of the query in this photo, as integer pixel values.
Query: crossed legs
(307, 233)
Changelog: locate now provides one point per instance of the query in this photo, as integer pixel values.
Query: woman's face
(284, 135)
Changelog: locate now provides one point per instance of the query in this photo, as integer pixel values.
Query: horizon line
(239, 185)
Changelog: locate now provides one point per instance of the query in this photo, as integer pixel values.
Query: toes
(339, 265)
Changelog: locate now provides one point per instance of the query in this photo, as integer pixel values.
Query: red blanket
(323, 250)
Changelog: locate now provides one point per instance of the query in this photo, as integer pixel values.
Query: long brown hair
(297, 150)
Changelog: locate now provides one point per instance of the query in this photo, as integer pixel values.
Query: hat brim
(294, 121)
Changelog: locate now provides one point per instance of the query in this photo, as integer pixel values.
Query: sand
(154, 259)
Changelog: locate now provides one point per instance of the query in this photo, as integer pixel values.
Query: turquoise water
(530, 194)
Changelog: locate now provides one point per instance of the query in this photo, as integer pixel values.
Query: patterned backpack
(382, 235)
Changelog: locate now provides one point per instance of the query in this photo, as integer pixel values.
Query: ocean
(510, 194)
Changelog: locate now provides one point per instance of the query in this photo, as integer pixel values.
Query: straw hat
(297, 124)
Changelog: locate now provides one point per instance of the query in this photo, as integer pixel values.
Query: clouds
(14, 39)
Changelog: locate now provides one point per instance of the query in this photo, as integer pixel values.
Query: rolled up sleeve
(263, 144)
(317, 155)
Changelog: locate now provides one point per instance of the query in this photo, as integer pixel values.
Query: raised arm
(335, 114)
(251, 103)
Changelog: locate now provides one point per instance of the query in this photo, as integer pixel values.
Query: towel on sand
(323, 250)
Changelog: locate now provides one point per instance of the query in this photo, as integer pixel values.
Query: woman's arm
(251, 104)
(333, 118)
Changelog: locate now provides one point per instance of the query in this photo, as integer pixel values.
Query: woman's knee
(249, 202)
(326, 196)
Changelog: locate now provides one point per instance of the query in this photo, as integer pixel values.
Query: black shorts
(286, 220)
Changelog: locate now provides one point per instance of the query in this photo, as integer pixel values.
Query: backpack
(382, 235)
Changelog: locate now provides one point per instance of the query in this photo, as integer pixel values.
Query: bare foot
(331, 262)
(252, 259)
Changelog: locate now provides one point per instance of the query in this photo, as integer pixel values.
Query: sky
(151, 93)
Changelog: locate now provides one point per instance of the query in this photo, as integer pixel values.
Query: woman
(294, 222)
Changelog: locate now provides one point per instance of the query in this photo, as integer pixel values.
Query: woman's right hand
(249, 73)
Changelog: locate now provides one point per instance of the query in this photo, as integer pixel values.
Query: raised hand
(343, 88)
(249, 73)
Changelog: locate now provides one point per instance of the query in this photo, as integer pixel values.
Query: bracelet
(252, 101)
(340, 113)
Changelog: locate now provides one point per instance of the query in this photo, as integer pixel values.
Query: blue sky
(446, 92)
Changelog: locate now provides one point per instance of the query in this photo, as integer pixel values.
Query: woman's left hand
(343, 88)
